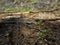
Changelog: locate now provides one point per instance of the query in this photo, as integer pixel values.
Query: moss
(48, 29)
(39, 21)
(43, 35)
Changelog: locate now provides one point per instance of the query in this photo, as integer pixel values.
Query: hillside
(30, 22)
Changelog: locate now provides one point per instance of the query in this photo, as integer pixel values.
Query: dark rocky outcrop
(16, 32)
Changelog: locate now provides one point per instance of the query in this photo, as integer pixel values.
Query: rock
(19, 33)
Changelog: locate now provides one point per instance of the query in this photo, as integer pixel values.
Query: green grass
(34, 1)
(16, 9)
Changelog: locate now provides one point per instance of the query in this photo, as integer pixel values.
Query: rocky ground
(30, 22)
(17, 31)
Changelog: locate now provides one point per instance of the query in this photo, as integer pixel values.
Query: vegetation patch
(16, 9)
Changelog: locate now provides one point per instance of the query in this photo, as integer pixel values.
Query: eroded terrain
(17, 31)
